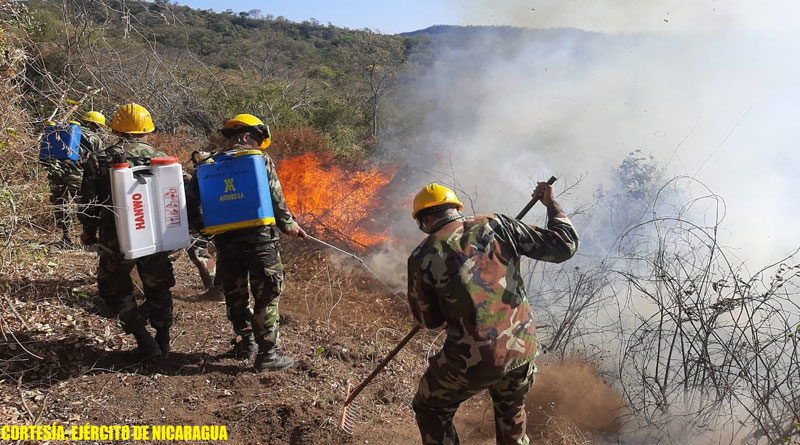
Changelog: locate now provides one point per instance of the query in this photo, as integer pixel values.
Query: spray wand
(352, 255)
(348, 413)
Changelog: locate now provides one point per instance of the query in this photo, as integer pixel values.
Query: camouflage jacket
(250, 236)
(91, 142)
(466, 275)
(95, 195)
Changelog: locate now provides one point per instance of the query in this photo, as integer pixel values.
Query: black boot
(214, 294)
(245, 348)
(268, 359)
(147, 346)
(162, 339)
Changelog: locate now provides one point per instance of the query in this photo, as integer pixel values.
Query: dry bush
(291, 141)
(22, 189)
(180, 144)
(701, 343)
(89, 54)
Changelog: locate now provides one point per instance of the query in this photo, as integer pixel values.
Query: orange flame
(333, 201)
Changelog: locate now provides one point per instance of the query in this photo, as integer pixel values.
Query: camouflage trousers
(203, 260)
(442, 389)
(116, 288)
(63, 190)
(261, 268)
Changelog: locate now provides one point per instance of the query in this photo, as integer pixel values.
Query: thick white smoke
(710, 89)
(506, 108)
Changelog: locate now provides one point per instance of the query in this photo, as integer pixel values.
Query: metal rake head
(349, 412)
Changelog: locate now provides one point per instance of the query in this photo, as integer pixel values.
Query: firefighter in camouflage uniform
(132, 124)
(250, 256)
(465, 277)
(65, 176)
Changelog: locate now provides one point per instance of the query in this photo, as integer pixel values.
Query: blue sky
(395, 16)
(389, 17)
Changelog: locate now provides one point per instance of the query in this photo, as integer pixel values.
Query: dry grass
(180, 144)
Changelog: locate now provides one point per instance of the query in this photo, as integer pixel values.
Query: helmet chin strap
(421, 225)
(439, 223)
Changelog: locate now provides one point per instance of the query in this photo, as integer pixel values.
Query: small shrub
(290, 141)
(322, 72)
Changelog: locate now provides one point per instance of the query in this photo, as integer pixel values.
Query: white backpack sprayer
(150, 207)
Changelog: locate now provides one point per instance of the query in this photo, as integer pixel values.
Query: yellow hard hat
(433, 195)
(132, 119)
(243, 120)
(96, 117)
(248, 120)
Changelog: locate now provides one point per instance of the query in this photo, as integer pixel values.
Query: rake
(349, 411)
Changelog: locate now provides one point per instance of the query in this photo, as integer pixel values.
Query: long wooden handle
(416, 328)
(383, 363)
(533, 201)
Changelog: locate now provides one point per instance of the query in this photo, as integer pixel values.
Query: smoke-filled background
(671, 131)
(709, 89)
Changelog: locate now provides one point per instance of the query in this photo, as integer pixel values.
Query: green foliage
(196, 68)
(322, 72)
(333, 111)
(80, 293)
(344, 141)
(275, 101)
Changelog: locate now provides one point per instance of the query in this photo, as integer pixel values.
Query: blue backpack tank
(234, 192)
(62, 142)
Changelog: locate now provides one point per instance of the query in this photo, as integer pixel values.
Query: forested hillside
(193, 67)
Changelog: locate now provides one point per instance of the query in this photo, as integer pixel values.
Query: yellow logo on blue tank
(235, 193)
(229, 187)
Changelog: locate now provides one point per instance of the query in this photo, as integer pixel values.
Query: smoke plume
(708, 89)
(712, 97)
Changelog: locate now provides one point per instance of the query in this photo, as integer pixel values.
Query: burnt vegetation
(663, 334)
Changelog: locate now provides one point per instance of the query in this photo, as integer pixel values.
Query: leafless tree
(379, 68)
(699, 340)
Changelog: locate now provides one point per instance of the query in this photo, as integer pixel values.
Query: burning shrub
(335, 202)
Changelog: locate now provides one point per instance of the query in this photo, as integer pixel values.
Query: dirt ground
(64, 359)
